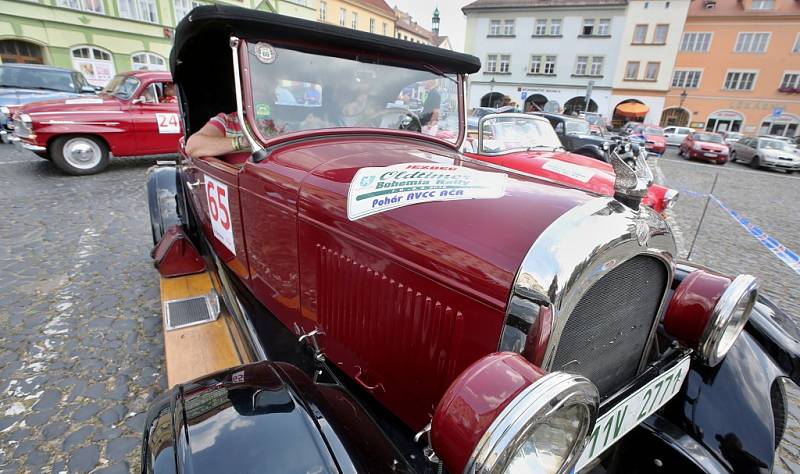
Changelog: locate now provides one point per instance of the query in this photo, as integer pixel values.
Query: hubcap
(82, 153)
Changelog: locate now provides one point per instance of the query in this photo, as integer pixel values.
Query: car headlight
(697, 146)
(708, 312)
(670, 198)
(505, 415)
(25, 118)
(606, 146)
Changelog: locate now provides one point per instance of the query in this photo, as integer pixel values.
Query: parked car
(762, 152)
(478, 112)
(652, 136)
(528, 143)
(134, 115)
(22, 84)
(597, 124)
(576, 136)
(706, 146)
(397, 307)
(732, 137)
(674, 135)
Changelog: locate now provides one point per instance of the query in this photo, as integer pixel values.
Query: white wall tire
(79, 154)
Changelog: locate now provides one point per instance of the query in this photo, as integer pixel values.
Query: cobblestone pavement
(80, 329)
(81, 352)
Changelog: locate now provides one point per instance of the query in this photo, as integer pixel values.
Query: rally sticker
(266, 53)
(168, 123)
(83, 101)
(219, 212)
(577, 172)
(379, 189)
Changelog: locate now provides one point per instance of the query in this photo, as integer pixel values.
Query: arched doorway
(492, 99)
(17, 51)
(578, 104)
(785, 125)
(675, 116)
(629, 110)
(535, 102)
(725, 121)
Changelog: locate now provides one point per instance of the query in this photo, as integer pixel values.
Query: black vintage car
(575, 134)
(388, 304)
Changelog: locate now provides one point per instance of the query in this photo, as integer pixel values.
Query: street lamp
(684, 95)
(491, 85)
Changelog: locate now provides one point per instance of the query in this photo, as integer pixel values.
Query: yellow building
(374, 16)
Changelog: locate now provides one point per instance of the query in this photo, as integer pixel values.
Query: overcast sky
(453, 23)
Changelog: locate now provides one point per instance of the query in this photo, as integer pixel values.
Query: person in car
(170, 96)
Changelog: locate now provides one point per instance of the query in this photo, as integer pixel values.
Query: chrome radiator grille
(606, 334)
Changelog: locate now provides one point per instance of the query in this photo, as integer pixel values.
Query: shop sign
(697, 125)
(97, 72)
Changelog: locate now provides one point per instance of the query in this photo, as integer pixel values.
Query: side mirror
(138, 100)
(90, 89)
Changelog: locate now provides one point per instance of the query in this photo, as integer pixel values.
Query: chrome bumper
(22, 145)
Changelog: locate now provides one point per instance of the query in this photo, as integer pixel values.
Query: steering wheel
(407, 120)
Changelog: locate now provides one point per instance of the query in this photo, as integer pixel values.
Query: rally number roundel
(266, 53)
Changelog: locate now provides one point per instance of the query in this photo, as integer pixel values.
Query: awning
(632, 109)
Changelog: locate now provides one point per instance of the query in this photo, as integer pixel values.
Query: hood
(780, 154)
(92, 103)
(587, 138)
(713, 146)
(26, 96)
(657, 139)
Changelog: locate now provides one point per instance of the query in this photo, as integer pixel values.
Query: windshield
(773, 144)
(480, 112)
(653, 131)
(37, 78)
(708, 137)
(122, 86)
(294, 91)
(576, 127)
(507, 133)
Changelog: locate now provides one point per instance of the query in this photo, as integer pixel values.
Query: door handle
(193, 185)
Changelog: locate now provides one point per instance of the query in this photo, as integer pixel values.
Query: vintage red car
(136, 114)
(705, 146)
(367, 299)
(528, 143)
(653, 137)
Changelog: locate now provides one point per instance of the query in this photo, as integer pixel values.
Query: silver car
(675, 135)
(762, 152)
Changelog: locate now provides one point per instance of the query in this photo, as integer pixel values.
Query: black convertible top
(201, 62)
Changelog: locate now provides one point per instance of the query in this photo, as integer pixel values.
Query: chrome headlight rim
(743, 289)
(670, 198)
(553, 392)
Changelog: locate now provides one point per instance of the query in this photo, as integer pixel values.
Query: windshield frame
(246, 104)
(534, 118)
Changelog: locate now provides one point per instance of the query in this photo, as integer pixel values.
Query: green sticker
(263, 111)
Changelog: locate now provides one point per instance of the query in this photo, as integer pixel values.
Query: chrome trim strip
(78, 112)
(237, 82)
(576, 251)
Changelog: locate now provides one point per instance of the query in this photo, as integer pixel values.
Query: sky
(453, 23)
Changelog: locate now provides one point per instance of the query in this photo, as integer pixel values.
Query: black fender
(592, 151)
(162, 199)
(268, 417)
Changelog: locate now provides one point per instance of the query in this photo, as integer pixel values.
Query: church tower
(435, 22)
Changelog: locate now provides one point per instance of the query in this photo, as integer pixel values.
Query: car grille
(609, 329)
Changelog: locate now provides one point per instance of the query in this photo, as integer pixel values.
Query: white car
(675, 135)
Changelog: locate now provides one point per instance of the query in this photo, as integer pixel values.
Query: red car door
(157, 124)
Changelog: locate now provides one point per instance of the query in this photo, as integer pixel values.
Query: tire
(79, 155)
(755, 163)
(733, 157)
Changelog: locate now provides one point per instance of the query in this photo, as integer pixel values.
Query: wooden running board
(195, 351)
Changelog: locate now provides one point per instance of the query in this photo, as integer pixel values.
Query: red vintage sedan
(705, 146)
(654, 140)
(529, 144)
(136, 114)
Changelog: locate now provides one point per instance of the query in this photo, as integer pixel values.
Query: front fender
(162, 199)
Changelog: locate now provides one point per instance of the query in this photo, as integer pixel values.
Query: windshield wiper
(534, 147)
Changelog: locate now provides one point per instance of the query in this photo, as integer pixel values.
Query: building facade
(650, 43)
(408, 29)
(374, 16)
(545, 54)
(738, 68)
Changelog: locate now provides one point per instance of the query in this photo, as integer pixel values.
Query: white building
(650, 42)
(539, 51)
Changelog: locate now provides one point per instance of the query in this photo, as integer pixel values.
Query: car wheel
(79, 154)
(733, 156)
(755, 163)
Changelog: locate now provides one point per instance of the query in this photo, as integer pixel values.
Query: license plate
(710, 155)
(623, 417)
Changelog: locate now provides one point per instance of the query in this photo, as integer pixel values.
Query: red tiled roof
(378, 5)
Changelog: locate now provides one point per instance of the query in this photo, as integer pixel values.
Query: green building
(104, 37)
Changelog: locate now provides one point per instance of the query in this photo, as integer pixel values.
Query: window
(549, 64)
(372, 25)
(686, 79)
(639, 34)
(763, 5)
(342, 16)
(555, 26)
(148, 61)
(536, 64)
(384, 28)
(791, 80)
(183, 7)
(596, 68)
(651, 71)
(95, 64)
(796, 48)
(696, 42)
(751, 42)
(354, 21)
(739, 81)
(505, 61)
(491, 63)
(604, 27)
(508, 28)
(588, 27)
(494, 27)
(660, 36)
(323, 10)
(580, 65)
(541, 27)
(632, 70)
(94, 6)
(142, 10)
